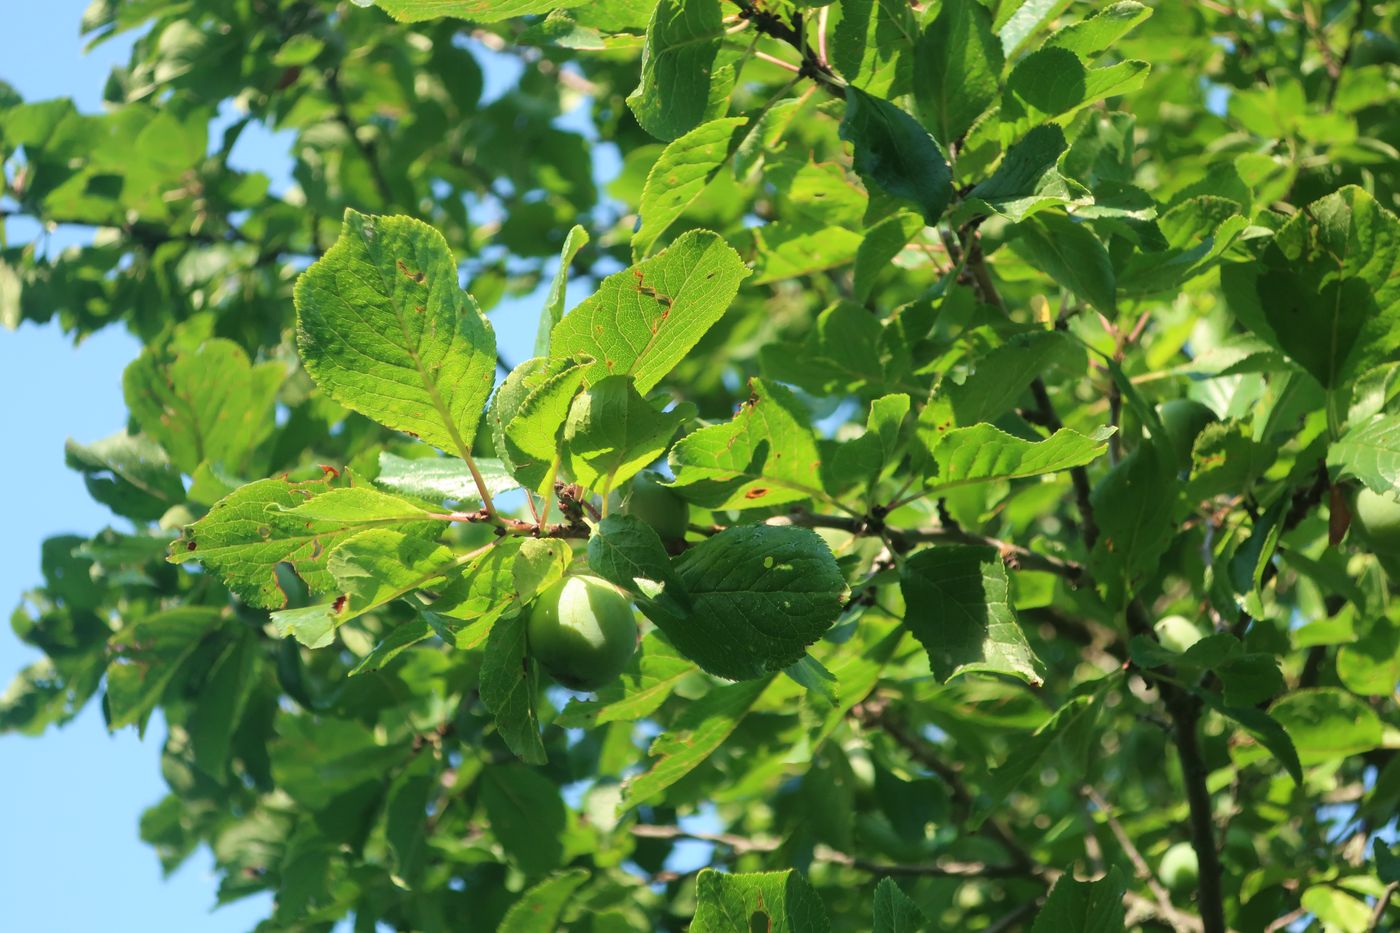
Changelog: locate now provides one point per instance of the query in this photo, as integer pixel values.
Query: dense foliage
(990, 410)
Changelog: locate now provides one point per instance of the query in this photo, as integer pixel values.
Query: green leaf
(813, 677)
(532, 431)
(527, 816)
(1337, 908)
(864, 458)
(957, 68)
(385, 329)
(982, 453)
(207, 404)
(1069, 253)
(145, 657)
(400, 638)
(442, 479)
(872, 45)
(1068, 726)
(1028, 180)
(222, 698)
(127, 473)
(406, 826)
(644, 320)
(686, 166)
(1096, 33)
(553, 311)
(1265, 730)
(697, 733)
(841, 353)
(883, 243)
(957, 603)
(478, 11)
(1017, 22)
(895, 912)
(37, 698)
(759, 596)
(484, 592)
(1387, 862)
(320, 761)
(1002, 375)
(1225, 458)
(678, 65)
(370, 569)
(766, 456)
(1370, 452)
(1084, 906)
(273, 521)
(1326, 289)
(1052, 84)
(613, 432)
(1193, 249)
(555, 380)
(1133, 505)
(651, 676)
(626, 551)
(1370, 666)
(509, 683)
(540, 908)
(1327, 724)
(775, 901)
(894, 152)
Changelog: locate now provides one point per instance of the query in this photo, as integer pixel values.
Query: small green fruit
(1177, 633)
(1184, 419)
(666, 513)
(1377, 516)
(582, 632)
(1180, 869)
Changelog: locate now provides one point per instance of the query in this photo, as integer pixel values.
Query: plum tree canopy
(965, 342)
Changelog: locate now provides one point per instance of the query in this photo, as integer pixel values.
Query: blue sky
(70, 856)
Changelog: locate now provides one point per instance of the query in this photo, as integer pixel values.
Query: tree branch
(1185, 711)
(813, 64)
(904, 539)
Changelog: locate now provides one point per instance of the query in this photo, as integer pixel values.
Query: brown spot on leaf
(418, 277)
(340, 601)
(190, 545)
(757, 492)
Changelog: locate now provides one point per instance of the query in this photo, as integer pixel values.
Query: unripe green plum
(1177, 633)
(661, 508)
(1184, 419)
(582, 632)
(1180, 870)
(1377, 516)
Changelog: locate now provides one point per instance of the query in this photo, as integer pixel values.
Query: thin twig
(1284, 922)
(775, 60)
(1382, 902)
(1144, 872)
